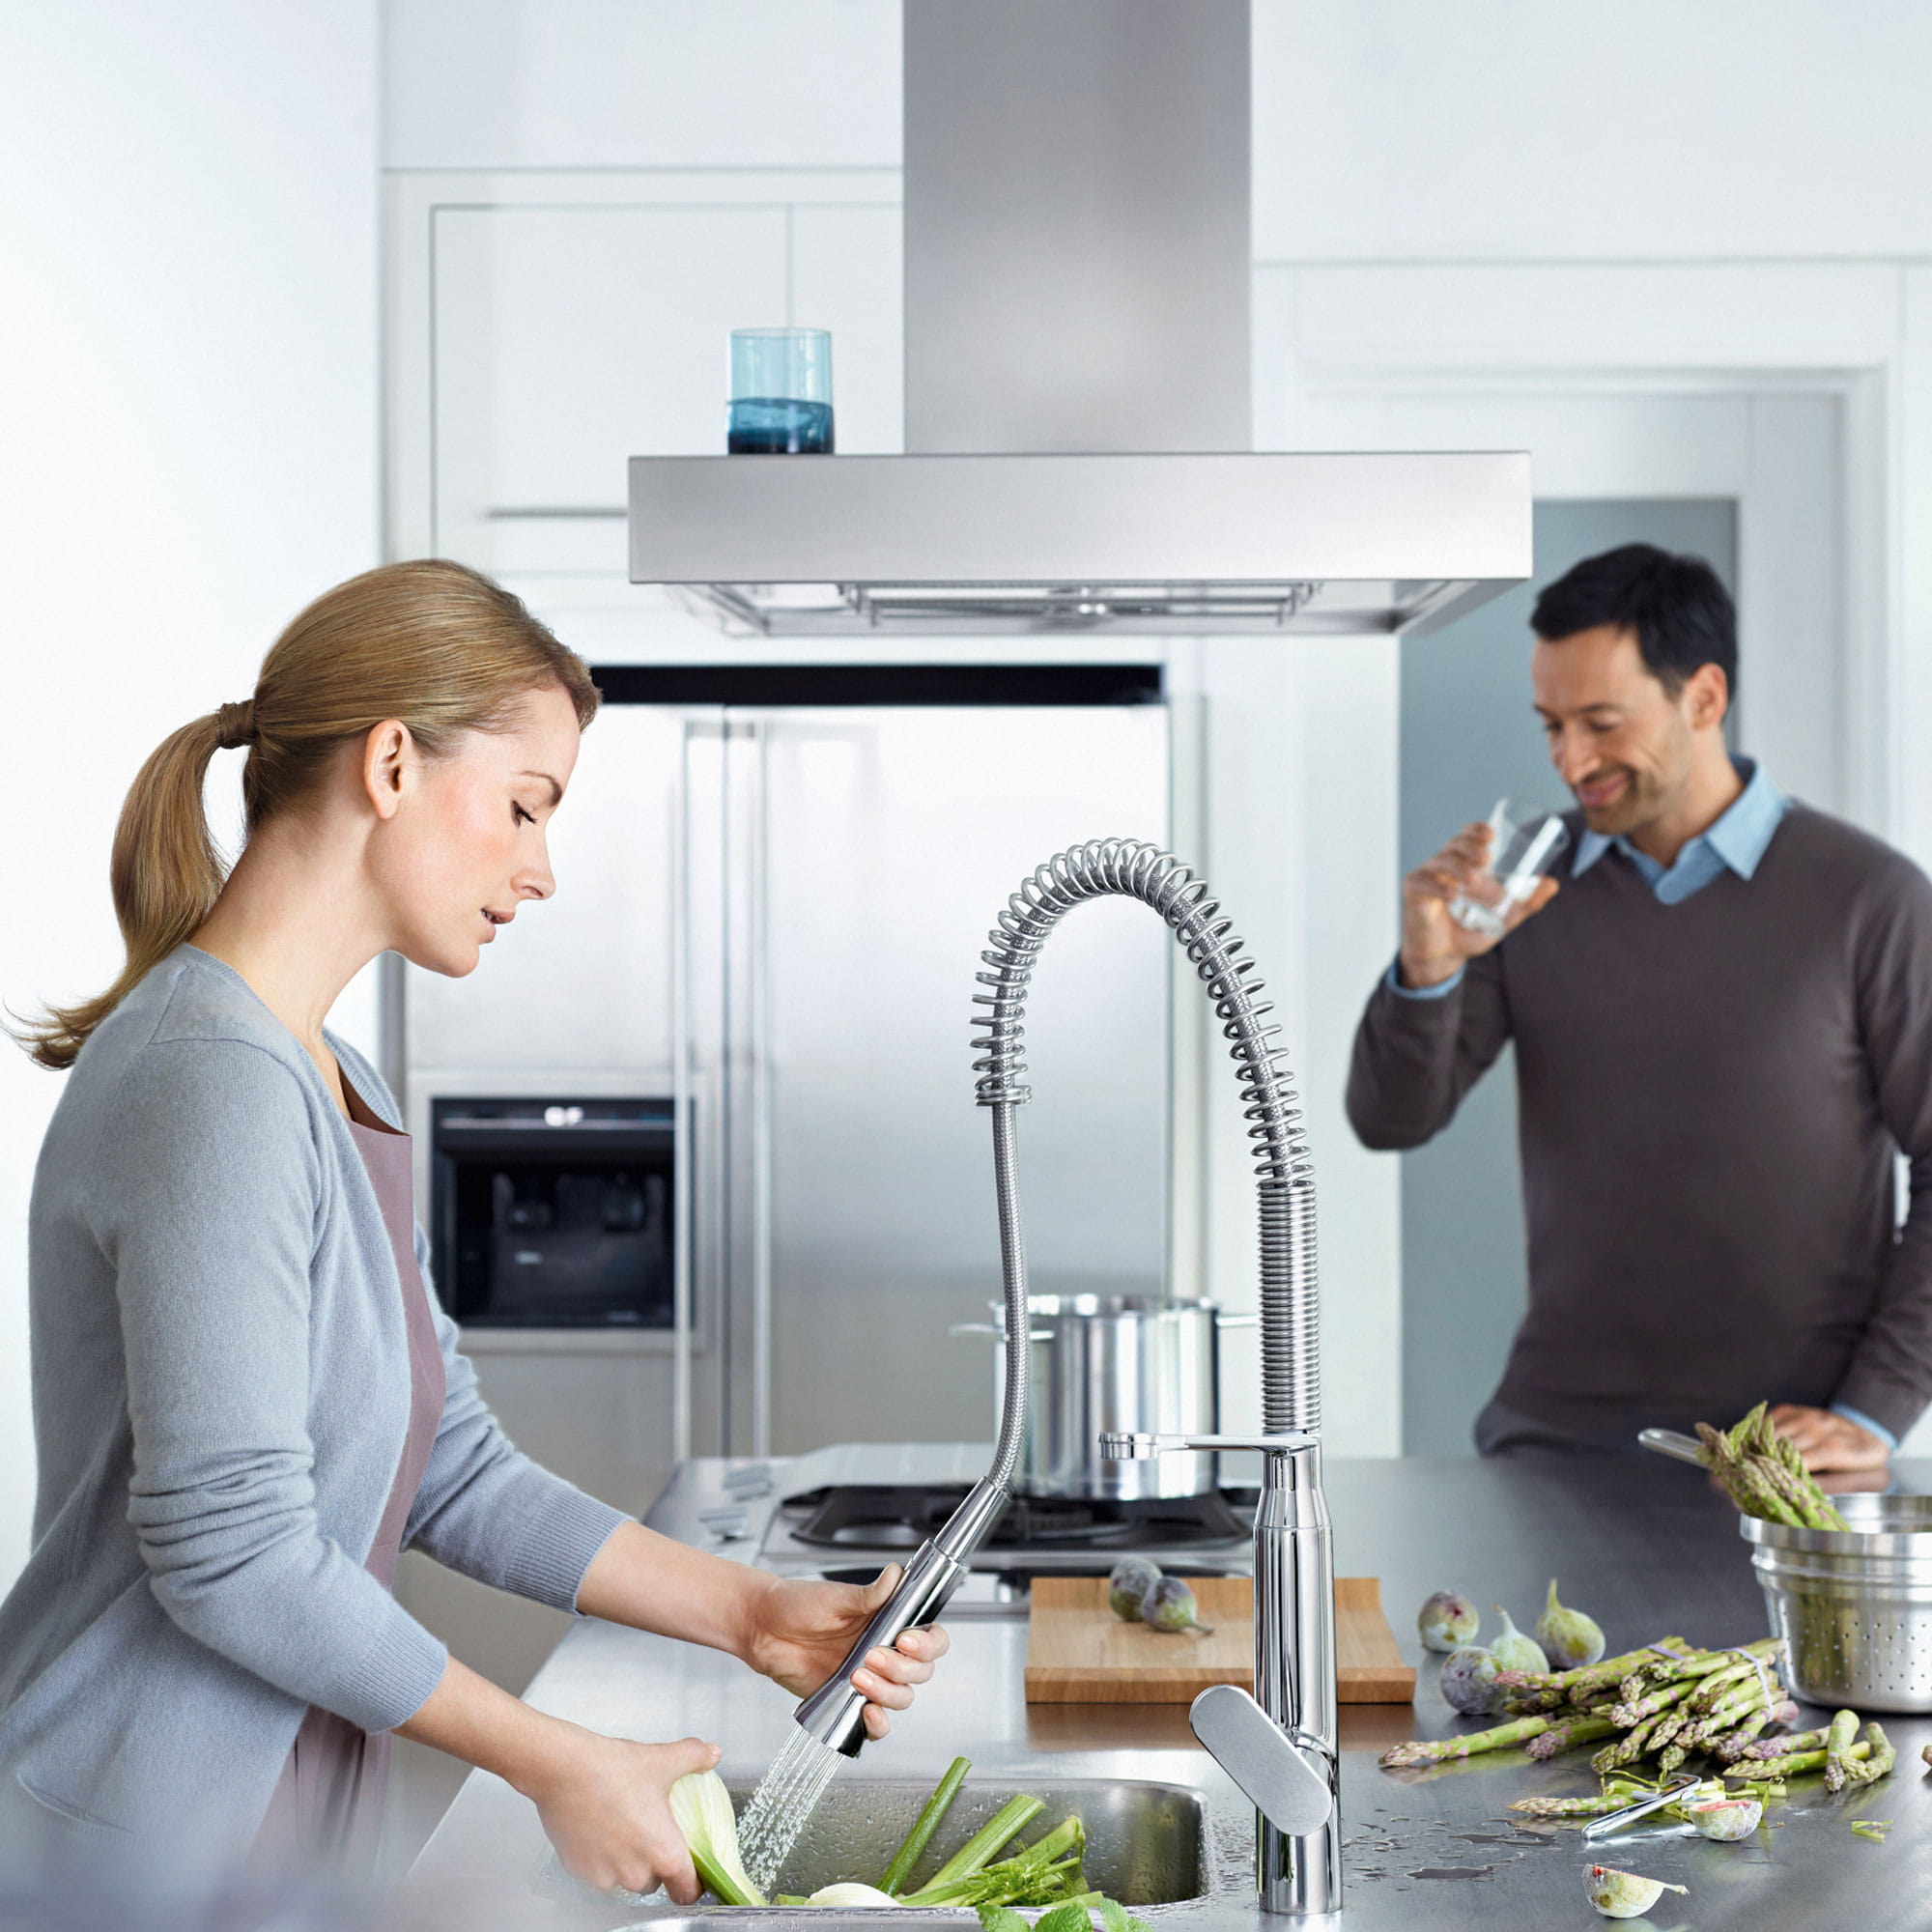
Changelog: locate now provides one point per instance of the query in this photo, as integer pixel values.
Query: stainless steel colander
(1854, 1605)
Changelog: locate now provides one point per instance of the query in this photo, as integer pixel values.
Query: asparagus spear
(1567, 1736)
(1441, 1750)
(1635, 1711)
(1572, 1808)
(1884, 1755)
(1776, 1769)
(1838, 1736)
(1796, 1741)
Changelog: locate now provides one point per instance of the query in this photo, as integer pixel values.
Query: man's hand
(1436, 947)
(801, 1630)
(1828, 1440)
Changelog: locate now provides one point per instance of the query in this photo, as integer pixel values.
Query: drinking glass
(780, 392)
(1525, 841)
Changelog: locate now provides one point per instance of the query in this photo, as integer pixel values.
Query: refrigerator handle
(758, 982)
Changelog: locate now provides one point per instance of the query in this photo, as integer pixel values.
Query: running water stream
(785, 1798)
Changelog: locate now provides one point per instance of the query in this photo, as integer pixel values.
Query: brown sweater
(1711, 1095)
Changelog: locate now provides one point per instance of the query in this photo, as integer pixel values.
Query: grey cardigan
(220, 1378)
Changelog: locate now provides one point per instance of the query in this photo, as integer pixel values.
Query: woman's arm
(795, 1632)
(604, 1802)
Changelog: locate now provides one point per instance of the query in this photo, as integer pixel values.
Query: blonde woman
(247, 1402)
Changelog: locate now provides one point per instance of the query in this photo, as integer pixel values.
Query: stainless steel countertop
(1644, 1546)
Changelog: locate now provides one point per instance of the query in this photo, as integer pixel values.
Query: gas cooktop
(845, 1513)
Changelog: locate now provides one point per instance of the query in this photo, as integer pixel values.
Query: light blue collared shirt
(1735, 842)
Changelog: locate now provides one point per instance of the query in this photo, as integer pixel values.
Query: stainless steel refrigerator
(772, 913)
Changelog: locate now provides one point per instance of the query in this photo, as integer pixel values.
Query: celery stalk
(924, 1825)
(1005, 1824)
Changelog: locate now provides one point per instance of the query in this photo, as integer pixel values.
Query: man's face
(1622, 743)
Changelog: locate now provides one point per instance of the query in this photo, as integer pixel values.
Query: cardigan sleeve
(207, 1205)
(485, 1509)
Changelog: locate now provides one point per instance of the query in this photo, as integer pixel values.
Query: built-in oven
(553, 1212)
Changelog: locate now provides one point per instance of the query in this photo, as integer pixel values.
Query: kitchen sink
(1147, 1844)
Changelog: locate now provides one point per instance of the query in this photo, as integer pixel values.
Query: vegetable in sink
(701, 1809)
(1047, 1872)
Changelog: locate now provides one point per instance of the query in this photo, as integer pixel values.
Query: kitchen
(1751, 342)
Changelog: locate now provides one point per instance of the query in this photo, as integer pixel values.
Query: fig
(1569, 1639)
(1725, 1819)
(1447, 1622)
(1468, 1681)
(1622, 1894)
(1132, 1579)
(1169, 1606)
(1513, 1651)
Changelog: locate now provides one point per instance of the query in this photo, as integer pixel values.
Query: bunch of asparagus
(1834, 1748)
(1667, 1701)
(1764, 1474)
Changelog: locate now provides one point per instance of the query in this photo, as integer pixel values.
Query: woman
(246, 1401)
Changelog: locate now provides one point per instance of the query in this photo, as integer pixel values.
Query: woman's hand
(606, 1805)
(796, 1633)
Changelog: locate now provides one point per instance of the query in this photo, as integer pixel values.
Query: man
(1722, 1006)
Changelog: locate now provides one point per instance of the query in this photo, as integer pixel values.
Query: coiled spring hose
(1289, 1308)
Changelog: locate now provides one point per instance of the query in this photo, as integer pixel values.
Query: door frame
(1375, 342)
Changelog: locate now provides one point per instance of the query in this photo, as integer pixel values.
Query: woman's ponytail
(431, 643)
(165, 873)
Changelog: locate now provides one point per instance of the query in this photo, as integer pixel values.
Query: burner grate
(888, 1515)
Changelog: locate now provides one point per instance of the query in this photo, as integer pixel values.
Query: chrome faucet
(1280, 1745)
(1282, 1754)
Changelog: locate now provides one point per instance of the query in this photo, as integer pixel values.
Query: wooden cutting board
(1079, 1652)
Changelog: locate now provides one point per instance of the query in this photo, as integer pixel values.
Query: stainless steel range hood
(1077, 382)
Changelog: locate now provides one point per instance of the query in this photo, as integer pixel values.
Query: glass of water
(1525, 841)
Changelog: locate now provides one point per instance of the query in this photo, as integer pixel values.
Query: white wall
(640, 83)
(1569, 130)
(188, 435)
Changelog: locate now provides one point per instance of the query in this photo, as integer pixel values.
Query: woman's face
(465, 844)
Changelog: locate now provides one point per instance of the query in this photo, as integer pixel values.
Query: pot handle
(997, 1334)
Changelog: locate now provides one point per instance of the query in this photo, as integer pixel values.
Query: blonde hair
(432, 643)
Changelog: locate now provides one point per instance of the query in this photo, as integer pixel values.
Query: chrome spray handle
(835, 1714)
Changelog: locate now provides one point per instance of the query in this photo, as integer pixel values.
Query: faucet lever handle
(1127, 1445)
(1269, 1764)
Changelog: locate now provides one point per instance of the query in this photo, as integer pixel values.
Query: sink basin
(1147, 1844)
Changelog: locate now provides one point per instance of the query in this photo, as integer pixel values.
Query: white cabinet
(544, 328)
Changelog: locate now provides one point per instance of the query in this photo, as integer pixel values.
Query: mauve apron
(329, 1804)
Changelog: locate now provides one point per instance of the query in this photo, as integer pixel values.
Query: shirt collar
(1738, 836)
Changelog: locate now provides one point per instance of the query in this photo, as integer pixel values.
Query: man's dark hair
(1682, 615)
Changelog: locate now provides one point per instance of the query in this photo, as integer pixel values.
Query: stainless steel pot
(1137, 1363)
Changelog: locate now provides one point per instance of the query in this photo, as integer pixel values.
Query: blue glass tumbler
(780, 392)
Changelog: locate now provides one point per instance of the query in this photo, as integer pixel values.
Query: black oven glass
(553, 1212)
